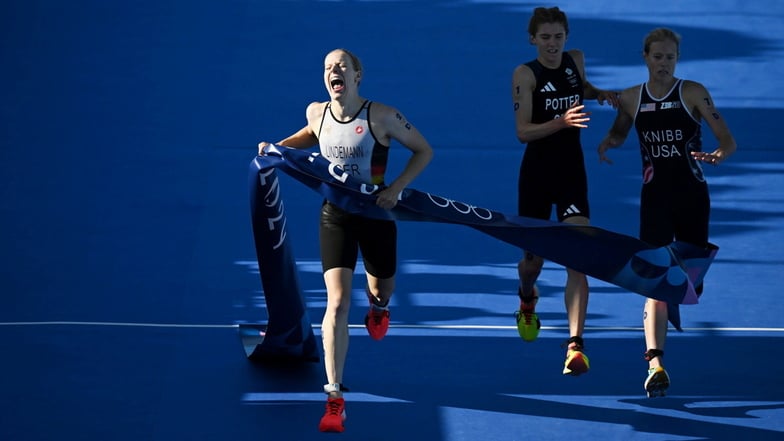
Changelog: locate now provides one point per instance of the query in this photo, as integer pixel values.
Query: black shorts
(676, 213)
(343, 235)
(544, 183)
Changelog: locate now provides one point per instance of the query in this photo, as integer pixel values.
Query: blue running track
(127, 259)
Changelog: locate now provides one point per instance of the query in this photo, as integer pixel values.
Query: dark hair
(661, 34)
(547, 15)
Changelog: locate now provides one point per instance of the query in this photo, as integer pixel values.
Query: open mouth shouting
(337, 84)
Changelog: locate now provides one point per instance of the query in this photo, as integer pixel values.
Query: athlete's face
(549, 40)
(661, 59)
(340, 75)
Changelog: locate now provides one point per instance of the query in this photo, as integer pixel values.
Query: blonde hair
(661, 34)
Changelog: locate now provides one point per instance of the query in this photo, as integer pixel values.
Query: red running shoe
(333, 418)
(377, 321)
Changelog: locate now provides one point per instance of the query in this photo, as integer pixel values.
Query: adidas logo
(548, 87)
(571, 210)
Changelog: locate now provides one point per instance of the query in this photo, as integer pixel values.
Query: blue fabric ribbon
(667, 273)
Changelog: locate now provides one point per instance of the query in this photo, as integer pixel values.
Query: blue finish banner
(667, 273)
(288, 333)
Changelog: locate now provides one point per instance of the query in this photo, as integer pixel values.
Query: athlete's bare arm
(701, 105)
(389, 123)
(523, 83)
(591, 92)
(305, 137)
(616, 136)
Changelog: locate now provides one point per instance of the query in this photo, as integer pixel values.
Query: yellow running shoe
(576, 362)
(528, 323)
(657, 382)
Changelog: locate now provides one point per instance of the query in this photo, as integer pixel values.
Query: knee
(338, 305)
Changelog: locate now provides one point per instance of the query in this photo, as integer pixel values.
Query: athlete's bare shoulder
(523, 76)
(381, 113)
(631, 91)
(315, 110)
(629, 99)
(522, 69)
(379, 107)
(387, 121)
(698, 100)
(693, 91)
(577, 55)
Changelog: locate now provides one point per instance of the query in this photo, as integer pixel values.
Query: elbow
(728, 147)
(733, 146)
(523, 136)
(427, 155)
(531, 132)
(424, 156)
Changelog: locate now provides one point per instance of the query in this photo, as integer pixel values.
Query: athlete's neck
(345, 109)
(660, 88)
(549, 61)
